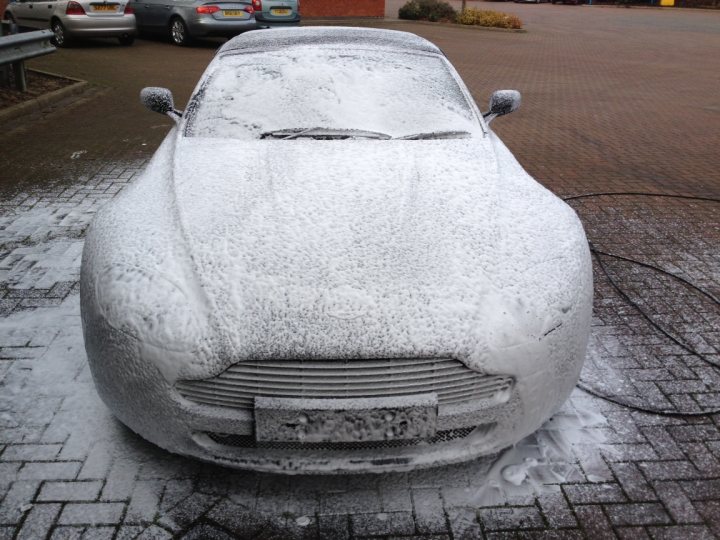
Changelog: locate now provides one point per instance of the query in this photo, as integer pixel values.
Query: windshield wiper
(323, 134)
(434, 135)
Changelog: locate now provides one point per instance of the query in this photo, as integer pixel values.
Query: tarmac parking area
(620, 116)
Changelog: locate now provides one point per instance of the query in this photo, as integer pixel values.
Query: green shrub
(482, 17)
(427, 10)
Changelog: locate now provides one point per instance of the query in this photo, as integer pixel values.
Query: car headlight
(155, 309)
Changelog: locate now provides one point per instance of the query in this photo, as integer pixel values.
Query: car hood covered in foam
(365, 248)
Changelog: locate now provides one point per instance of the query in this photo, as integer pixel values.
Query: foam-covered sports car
(332, 264)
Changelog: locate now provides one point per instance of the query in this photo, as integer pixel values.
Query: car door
(43, 11)
(152, 14)
(24, 13)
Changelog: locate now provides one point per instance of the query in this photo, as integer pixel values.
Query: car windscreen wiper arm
(323, 133)
(434, 135)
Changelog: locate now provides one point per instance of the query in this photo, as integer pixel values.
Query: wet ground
(621, 117)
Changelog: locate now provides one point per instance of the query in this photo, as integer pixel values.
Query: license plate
(345, 420)
(104, 7)
(233, 12)
(280, 11)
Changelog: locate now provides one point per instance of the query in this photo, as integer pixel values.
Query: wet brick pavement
(613, 104)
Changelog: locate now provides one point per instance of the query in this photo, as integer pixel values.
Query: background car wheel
(126, 41)
(178, 32)
(60, 39)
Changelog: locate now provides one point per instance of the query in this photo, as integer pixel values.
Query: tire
(126, 41)
(179, 33)
(61, 38)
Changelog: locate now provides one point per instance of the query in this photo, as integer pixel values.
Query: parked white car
(70, 19)
(332, 264)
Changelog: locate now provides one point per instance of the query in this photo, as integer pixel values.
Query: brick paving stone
(144, 502)
(175, 492)
(49, 471)
(709, 510)
(594, 521)
(396, 500)
(38, 522)
(633, 482)
(334, 526)
(206, 532)
(676, 502)
(429, 512)
(556, 510)
(382, 524)
(67, 533)
(695, 532)
(120, 481)
(350, 502)
(70, 491)
(702, 458)
(96, 464)
(637, 514)
(464, 524)
(421, 537)
(31, 452)
(17, 501)
(98, 533)
(512, 518)
(701, 490)
(129, 532)
(154, 533)
(91, 513)
(594, 493)
(669, 470)
(8, 471)
(187, 512)
(632, 533)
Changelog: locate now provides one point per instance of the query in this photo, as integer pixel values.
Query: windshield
(322, 93)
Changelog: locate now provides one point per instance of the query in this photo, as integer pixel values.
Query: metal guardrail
(16, 48)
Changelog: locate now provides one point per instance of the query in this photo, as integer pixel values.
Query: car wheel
(60, 39)
(178, 32)
(126, 41)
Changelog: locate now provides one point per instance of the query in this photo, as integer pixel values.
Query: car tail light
(257, 5)
(73, 8)
(129, 10)
(207, 9)
(249, 9)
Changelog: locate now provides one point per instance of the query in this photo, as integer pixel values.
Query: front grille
(248, 441)
(450, 379)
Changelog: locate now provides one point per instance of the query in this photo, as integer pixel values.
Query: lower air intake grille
(450, 379)
(248, 441)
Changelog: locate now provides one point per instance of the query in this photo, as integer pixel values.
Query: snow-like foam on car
(229, 249)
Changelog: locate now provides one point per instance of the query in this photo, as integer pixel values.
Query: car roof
(281, 38)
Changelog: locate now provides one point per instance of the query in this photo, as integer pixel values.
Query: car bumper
(134, 389)
(209, 27)
(274, 22)
(84, 26)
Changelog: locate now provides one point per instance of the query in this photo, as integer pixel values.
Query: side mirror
(502, 102)
(159, 100)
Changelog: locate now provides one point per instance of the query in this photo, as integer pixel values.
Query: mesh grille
(248, 441)
(450, 379)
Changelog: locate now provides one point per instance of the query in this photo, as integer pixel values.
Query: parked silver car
(184, 20)
(277, 13)
(70, 19)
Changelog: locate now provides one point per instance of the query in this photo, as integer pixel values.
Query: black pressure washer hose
(597, 254)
